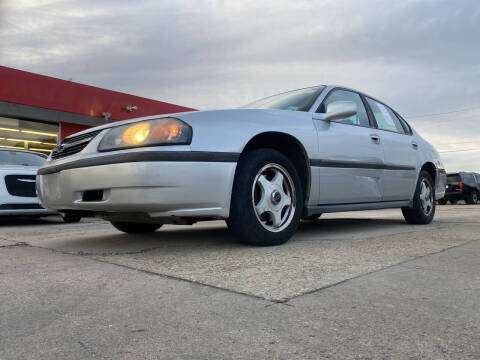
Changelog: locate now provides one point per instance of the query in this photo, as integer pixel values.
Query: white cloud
(418, 56)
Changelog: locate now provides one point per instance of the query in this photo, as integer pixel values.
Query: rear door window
(385, 117)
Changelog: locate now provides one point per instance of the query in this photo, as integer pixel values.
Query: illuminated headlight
(165, 131)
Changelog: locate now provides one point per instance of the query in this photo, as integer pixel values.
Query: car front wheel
(423, 208)
(135, 228)
(267, 199)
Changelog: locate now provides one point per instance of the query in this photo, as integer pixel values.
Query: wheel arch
(432, 171)
(289, 146)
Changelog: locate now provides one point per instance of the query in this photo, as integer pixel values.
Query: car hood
(191, 117)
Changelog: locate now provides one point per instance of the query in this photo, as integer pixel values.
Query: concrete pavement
(350, 286)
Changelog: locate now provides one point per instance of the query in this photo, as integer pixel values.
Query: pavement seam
(310, 292)
(165, 276)
(283, 301)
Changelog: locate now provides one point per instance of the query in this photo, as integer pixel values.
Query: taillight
(460, 184)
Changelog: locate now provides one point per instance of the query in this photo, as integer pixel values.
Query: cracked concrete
(325, 252)
(57, 304)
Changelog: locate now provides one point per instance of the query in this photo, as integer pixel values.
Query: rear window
(453, 178)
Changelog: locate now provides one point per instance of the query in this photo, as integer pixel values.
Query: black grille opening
(73, 145)
(21, 185)
(92, 195)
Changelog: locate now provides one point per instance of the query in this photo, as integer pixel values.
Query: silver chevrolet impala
(262, 168)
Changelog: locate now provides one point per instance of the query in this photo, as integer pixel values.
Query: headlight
(165, 131)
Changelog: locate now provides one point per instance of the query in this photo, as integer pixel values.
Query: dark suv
(462, 186)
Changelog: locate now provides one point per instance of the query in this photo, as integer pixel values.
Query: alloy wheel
(426, 197)
(274, 197)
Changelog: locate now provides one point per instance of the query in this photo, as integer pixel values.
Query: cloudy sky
(421, 57)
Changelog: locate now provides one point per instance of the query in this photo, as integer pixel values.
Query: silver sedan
(262, 168)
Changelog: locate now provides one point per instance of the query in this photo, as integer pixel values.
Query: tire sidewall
(417, 202)
(243, 219)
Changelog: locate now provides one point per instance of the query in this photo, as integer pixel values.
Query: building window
(28, 135)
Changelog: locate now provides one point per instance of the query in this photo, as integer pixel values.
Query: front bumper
(156, 188)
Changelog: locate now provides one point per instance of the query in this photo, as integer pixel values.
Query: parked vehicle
(18, 170)
(261, 168)
(462, 186)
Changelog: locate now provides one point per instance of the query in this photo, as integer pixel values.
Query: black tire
(312, 217)
(442, 202)
(472, 198)
(71, 218)
(244, 222)
(417, 214)
(135, 228)
(453, 202)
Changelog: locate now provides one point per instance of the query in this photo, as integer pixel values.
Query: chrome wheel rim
(426, 197)
(273, 197)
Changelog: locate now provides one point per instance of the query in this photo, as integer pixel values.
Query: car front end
(142, 170)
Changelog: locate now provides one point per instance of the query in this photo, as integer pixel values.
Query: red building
(36, 111)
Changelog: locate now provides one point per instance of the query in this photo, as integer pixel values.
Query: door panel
(399, 184)
(400, 153)
(350, 164)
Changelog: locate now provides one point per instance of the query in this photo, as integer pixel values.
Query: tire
(472, 198)
(274, 222)
(442, 202)
(423, 209)
(453, 202)
(312, 217)
(71, 218)
(135, 228)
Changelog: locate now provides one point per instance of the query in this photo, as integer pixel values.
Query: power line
(458, 142)
(444, 113)
(451, 151)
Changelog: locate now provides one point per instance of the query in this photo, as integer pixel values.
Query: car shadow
(29, 221)
(213, 236)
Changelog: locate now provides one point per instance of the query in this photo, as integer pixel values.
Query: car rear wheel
(312, 217)
(442, 202)
(135, 228)
(423, 208)
(453, 202)
(267, 199)
(472, 198)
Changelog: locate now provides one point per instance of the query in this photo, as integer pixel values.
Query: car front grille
(21, 185)
(73, 145)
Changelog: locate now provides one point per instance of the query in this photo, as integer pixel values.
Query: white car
(262, 167)
(18, 170)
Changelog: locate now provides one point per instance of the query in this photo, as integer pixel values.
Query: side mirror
(337, 110)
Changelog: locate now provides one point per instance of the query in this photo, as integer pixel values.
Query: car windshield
(20, 158)
(296, 100)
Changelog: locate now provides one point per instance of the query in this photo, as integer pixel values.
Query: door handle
(375, 138)
(415, 145)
